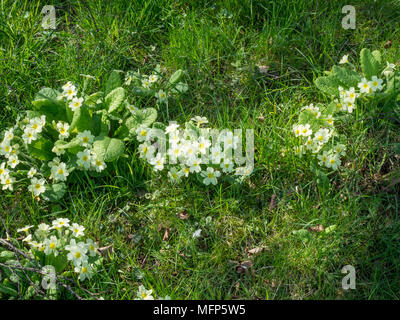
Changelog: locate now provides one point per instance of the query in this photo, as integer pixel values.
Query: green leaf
(132, 123)
(348, 78)
(81, 120)
(393, 83)
(92, 100)
(329, 109)
(122, 132)
(149, 116)
(180, 87)
(98, 126)
(47, 104)
(67, 145)
(47, 93)
(6, 255)
(192, 129)
(45, 170)
(377, 56)
(328, 85)
(46, 107)
(41, 149)
(370, 66)
(32, 114)
(159, 125)
(330, 228)
(108, 149)
(54, 192)
(70, 114)
(114, 99)
(113, 82)
(306, 116)
(176, 76)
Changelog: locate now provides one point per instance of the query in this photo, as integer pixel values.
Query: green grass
(219, 45)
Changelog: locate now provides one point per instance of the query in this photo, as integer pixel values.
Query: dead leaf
(106, 251)
(244, 267)
(388, 44)
(237, 287)
(317, 228)
(254, 251)
(183, 215)
(166, 234)
(142, 260)
(272, 203)
(263, 69)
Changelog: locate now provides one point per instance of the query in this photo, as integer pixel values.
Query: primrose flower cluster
(315, 131)
(153, 85)
(63, 243)
(316, 141)
(191, 151)
(68, 132)
(36, 129)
